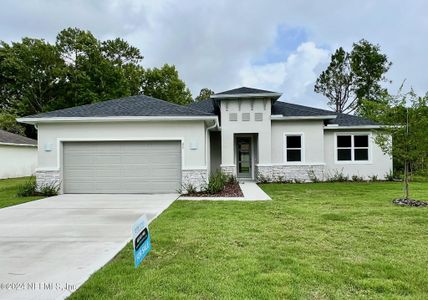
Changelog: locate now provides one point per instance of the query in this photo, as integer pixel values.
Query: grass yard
(313, 241)
(8, 188)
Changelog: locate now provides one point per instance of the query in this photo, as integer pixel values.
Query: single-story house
(140, 144)
(18, 155)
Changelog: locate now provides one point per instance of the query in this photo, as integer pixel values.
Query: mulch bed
(409, 202)
(230, 190)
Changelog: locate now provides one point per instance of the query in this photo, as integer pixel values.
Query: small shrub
(357, 178)
(389, 176)
(373, 178)
(312, 176)
(216, 183)
(27, 189)
(231, 179)
(49, 190)
(338, 177)
(189, 188)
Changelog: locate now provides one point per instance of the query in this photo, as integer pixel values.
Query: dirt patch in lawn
(230, 190)
(409, 202)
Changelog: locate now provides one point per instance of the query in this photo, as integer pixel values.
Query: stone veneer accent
(290, 172)
(48, 177)
(229, 170)
(196, 177)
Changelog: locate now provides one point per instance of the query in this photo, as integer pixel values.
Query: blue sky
(286, 41)
(270, 44)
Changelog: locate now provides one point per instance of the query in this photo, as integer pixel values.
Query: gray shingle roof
(296, 110)
(11, 138)
(245, 90)
(139, 105)
(350, 120)
(206, 106)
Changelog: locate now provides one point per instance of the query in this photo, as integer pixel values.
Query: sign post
(141, 240)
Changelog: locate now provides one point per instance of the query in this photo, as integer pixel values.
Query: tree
(30, 72)
(97, 70)
(36, 76)
(205, 93)
(354, 77)
(8, 123)
(407, 125)
(164, 83)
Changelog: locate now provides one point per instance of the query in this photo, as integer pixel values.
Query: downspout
(208, 150)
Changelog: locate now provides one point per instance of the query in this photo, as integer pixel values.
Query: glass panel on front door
(244, 157)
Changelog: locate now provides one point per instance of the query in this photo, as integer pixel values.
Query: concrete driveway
(50, 247)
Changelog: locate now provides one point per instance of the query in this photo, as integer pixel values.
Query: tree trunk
(406, 179)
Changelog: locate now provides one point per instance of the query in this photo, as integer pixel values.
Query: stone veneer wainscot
(289, 172)
(196, 177)
(48, 178)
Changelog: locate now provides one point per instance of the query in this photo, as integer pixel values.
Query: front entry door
(244, 157)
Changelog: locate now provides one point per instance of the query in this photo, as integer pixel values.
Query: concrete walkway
(251, 191)
(49, 247)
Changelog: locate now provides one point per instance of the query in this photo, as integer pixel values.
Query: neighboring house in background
(144, 145)
(18, 155)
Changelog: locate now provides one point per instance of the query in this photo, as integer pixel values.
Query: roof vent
(245, 116)
(233, 117)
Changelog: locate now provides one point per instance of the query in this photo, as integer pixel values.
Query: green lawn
(313, 241)
(8, 188)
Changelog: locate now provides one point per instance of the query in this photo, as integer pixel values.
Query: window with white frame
(293, 147)
(352, 147)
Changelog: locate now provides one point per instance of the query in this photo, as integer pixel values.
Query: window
(293, 148)
(258, 117)
(352, 147)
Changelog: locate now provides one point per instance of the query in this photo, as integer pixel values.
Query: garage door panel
(122, 167)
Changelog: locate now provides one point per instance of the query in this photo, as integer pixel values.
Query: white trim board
(18, 145)
(306, 164)
(290, 118)
(246, 95)
(115, 119)
(352, 127)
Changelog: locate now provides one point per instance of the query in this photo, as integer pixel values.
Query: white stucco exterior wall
(191, 133)
(17, 161)
(312, 140)
(230, 128)
(379, 164)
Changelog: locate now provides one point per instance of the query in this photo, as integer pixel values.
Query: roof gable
(245, 90)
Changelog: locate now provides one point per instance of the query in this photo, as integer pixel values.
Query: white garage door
(122, 167)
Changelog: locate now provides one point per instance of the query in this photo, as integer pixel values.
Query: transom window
(293, 148)
(353, 147)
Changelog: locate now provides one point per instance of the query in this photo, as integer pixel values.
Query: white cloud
(295, 76)
(213, 43)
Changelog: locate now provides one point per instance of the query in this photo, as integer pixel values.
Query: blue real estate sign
(141, 240)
